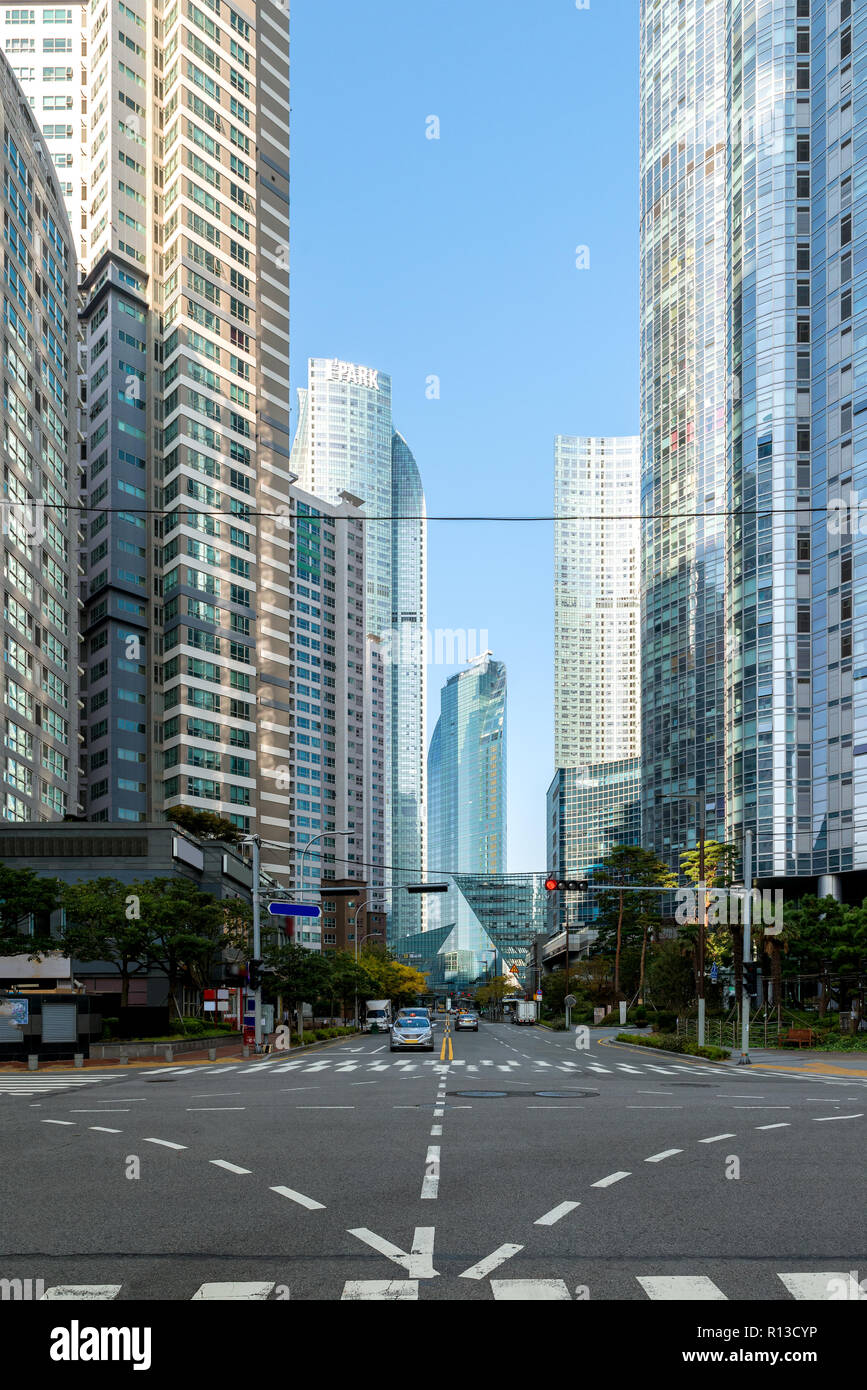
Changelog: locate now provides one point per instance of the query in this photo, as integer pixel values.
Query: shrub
(670, 1042)
(193, 1027)
(108, 1028)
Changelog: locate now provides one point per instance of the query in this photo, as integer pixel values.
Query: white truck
(525, 1011)
(379, 1013)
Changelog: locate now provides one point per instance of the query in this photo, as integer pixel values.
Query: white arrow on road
(418, 1263)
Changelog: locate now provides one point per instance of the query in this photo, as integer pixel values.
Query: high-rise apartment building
(593, 798)
(596, 599)
(467, 797)
(40, 535)
(346, 440)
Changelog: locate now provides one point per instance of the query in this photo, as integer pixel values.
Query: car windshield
(411, 1020)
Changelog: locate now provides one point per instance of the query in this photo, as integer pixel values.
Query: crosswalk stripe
(356, 1290)
(621, 1066)
(61, 1292)
(233, 1290)
(668, 1287)
(530, 1290)
(822, 1287)
(594, 1066)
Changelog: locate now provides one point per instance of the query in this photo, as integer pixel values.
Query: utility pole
(744, 1059)
(257, 944)
(702, 929)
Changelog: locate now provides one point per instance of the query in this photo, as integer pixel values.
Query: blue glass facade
(467, 798)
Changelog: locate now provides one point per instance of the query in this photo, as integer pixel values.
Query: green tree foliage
(22, 892)
(828, 939)
(627, 917)
(670, 976)
(102, 925)
(205, 825)
(725, 941)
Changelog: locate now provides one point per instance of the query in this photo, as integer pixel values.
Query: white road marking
(666, 1153)
(63, 1292)
(439, 1112)
(324, 1107)
(781, 1124)
(556, 1213)
(194, 1109)
(436, 1131)
(668, 1287)
(214, 1291)
(621, 1066)
(99, 1112)
(166, 1143)
(823, 1119)
(418, 1263)
(299, 1197)
(818, 1287)
(213, 1095)
(103, 1129)
(612, 1178)
(593, 1066)
(390, 1290)
(58, 1122)
(654, 1093)
(431, 1184)
(715, 1138)
(529, 1290)
(229, 1167)
(497, 1257)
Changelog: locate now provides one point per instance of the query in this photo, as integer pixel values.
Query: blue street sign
(294, 910)
(714, 972)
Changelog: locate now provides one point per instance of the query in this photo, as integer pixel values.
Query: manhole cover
(482, 1095)
(565, 1095)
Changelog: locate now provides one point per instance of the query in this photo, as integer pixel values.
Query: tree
(623, 867)
(103, 923)
(491, 995)
(205, 825)
(296, 972)
(554, 989)
(719, 862)
(347, 980)
(828, 937)
(670, 976)
(23, 893)
(390, 978)
(187, 929)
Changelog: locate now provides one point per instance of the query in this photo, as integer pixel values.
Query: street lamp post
(364, 902)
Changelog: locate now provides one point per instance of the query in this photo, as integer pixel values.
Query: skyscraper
(346, 440)
(751, 358)
(683, 486)
(40, 536)
(596, 598)
(593, 798)
(467, 795)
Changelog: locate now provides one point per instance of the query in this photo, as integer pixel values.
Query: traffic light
(566, 885)
(254, 973)
(751, 976)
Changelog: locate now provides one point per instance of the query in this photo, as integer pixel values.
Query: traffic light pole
(744, 1059)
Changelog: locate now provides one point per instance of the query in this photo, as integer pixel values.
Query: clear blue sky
(456, 257)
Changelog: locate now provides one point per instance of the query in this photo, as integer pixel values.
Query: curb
(664, 1052)
(124, 1067)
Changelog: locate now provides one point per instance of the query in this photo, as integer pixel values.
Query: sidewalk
(226, 1052)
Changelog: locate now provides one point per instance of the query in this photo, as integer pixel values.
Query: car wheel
(392, 1049)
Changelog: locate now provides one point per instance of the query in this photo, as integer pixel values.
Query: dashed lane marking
(492, 1261)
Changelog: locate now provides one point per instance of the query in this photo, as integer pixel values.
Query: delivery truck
(525, 1011)
(379, 1013)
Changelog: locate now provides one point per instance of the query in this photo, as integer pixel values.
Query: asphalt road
(350, 1172)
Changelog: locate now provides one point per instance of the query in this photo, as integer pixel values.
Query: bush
(193, 1027)
(670, 1042)
(665, 1021)
(108, 1028)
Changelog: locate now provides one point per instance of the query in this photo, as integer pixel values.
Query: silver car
(412, 1031)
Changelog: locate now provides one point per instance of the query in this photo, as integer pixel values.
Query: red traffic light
(551, 884)
(566, 885)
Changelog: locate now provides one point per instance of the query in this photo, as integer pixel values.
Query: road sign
(294, 910)
(570, 1001)
(538, 996)
(714, 973)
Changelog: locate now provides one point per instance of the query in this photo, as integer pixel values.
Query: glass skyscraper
(753, 222)
(683, 157)
(345, 439)
(467, 797)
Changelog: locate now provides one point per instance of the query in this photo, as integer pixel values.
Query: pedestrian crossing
(802, 1286)
(304, 1066)
(36, 1084)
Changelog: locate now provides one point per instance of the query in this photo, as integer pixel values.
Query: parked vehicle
(525, 1011)
(379, 1013)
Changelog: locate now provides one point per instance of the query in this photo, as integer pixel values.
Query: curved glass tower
(345, 440)
(467, 790)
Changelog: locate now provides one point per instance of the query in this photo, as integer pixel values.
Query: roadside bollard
(124, 1059)
(170, 1054)
(245, 1051)
(33, 1061)
(78, 1059)
(212, 1054)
